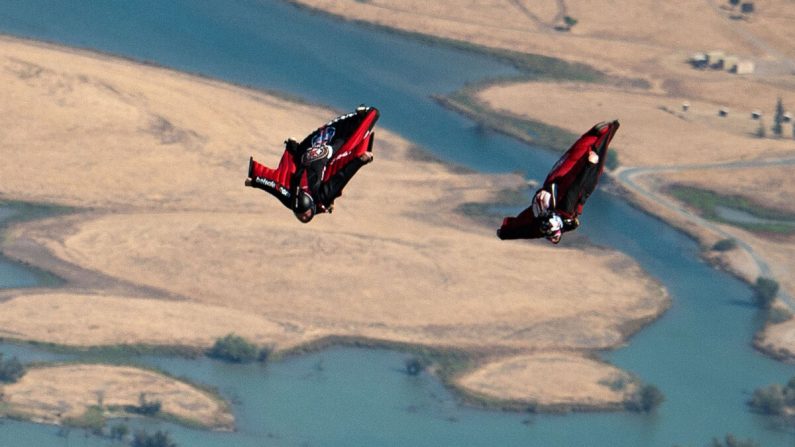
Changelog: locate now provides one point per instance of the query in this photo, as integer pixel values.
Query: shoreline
(445, 362)
(479, 114)
(584, 72)
(722, 261)
(40, 241)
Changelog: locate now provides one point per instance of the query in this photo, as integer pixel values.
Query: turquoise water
(14, 274)
(698, 354)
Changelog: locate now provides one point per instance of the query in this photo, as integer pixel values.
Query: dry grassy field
(166, 246)
(55, 394)
(649, 41)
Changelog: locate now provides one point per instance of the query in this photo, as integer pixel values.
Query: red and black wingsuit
(570, 182)
(311, 174)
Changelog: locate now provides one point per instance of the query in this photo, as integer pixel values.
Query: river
(698, 354)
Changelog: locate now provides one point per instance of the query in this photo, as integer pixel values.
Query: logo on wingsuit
(324, 136)
(316, 153)
(282, 190)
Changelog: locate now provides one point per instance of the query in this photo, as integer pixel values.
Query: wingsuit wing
(349, 136)
(574, 176)
(574, 179)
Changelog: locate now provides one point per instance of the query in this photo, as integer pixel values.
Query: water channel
(698, 354)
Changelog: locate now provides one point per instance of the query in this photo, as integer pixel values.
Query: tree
(760, 131)
(159, 439)
(234, 348)
(769, 400)
(646, 399)
(765, 291)
(119, 431)
(10, 370)
(414, 366)
(147, 407)
(778, 118)
(725, 245)
(650, 398)
(732, 441)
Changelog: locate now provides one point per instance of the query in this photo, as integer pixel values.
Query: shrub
(760, 131)
(650, 398)
(119, 431)
(234, 348)
(414, 366)
(646, 399)
(731, 441)
(93, 420)
(159, 439)
(765, 291)
(10, 370)
(145, 407)
(769, 400)
(778, 119)
(725, 245)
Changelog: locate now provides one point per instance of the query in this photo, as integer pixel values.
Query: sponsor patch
(315, 153)
(324, 136)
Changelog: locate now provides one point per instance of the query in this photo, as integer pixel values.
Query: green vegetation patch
(725, 245)
(236, 349)
(11, 370)
(775, 399)
(157, 439)
(93, 419)
(648, 398)
(765, 291)
(707, 201)
(112, 353)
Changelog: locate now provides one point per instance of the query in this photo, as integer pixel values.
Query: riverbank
(132, 247)
(672, 131)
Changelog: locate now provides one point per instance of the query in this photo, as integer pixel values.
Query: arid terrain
(54, 394)
(165, 246)
(671, 126)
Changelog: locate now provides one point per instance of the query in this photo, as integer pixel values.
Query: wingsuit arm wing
(573, 176)
(355, 134)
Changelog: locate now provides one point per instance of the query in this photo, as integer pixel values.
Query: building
(715, 59)
(730, 63)
(744, 67)
(699, 60)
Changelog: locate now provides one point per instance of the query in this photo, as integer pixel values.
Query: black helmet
(304, 203)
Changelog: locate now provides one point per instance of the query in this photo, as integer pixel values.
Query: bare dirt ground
(54, 394)
(168, 247)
